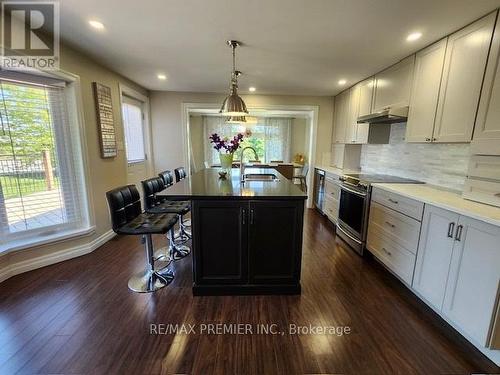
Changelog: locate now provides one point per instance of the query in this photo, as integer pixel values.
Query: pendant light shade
(236, 119)
(233, 105)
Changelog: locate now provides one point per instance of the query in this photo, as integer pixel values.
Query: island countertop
(206, 184)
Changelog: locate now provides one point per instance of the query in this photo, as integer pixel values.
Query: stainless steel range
(354, 207)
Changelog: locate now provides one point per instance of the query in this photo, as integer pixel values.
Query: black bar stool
(180, 174)
(157, 205)
(184, 232)
(127, 218)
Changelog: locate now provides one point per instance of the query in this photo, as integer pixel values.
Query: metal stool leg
(183, 234)
(150, 279)
(177, 251)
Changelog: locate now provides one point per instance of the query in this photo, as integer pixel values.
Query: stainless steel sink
(260, 177)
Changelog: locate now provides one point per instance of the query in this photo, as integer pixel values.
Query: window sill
(134, 162)
(22, 244)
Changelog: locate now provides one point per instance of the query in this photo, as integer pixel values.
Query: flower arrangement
(225, 144)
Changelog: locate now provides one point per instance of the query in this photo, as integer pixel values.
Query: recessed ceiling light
(252, 89)
(413, 36)
(342, 82)
(162, 77)
(96, 24)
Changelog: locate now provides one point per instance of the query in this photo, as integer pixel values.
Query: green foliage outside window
(26, 128)
(256, 143)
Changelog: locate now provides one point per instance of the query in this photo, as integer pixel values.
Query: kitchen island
(247, 237)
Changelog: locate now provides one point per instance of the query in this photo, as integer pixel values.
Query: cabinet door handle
(243, 216)
(458, 234)
(251, 216)
(451, 227)
(390, 224)
(393, 201)
(427, 139)
(385, 251)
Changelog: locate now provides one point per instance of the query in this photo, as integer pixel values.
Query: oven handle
(348, 235)
(353, 191)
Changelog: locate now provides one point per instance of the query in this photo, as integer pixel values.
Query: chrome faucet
(242, 165)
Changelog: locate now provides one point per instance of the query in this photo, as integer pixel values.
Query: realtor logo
(30, 35)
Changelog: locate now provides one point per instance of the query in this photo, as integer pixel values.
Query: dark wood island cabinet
(247, 237)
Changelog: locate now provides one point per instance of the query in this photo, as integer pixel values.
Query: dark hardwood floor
(79, 317)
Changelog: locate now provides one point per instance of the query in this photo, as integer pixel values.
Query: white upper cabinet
(434, 254)
(474, 277)
(360, 103)
(486, 138)
(352, 118)
(366, 96)
(365, 108)
(341, 111)
(392, 86)
(425, 92)
(463, 72)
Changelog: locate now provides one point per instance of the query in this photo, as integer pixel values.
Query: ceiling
(297, 47)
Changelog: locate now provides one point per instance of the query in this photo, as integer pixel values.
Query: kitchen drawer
(332, 190)
(331, 208)
(400, 261)
(407, 206)
(400, 228)
(485, 167)
(482, 191)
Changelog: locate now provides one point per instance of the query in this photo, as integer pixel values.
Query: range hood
(389, 115)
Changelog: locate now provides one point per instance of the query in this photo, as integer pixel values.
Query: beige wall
(104, 173)
(196, 139)
(300, 137)
(166, 114)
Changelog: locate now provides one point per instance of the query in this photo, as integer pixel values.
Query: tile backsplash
(438, 164)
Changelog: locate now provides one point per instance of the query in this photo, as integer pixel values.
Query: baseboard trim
(59, 256)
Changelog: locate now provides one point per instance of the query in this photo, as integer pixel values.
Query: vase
(226, 162)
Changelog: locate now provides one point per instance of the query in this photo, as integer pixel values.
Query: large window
(269, 136)
(41, 189)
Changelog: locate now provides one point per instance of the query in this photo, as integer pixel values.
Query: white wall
(166, 115)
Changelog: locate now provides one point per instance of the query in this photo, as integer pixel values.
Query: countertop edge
(205, 179)
(336, 171)
(444, 205)
(180, 197)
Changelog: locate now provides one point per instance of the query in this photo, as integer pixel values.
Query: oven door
(352, 211)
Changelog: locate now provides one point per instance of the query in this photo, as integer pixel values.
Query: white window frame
(148, 147)
(44, 235)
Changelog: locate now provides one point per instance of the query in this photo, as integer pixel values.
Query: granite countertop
(445, 199)
(206, 184)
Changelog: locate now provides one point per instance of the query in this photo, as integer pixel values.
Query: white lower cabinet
(458, 272)
(450, 261)
(332, 197)
(392, 235)
(434, 254)
(395, 257)
(473, 281)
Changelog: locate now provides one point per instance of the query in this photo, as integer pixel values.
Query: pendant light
(236, 120)
(233, 105)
